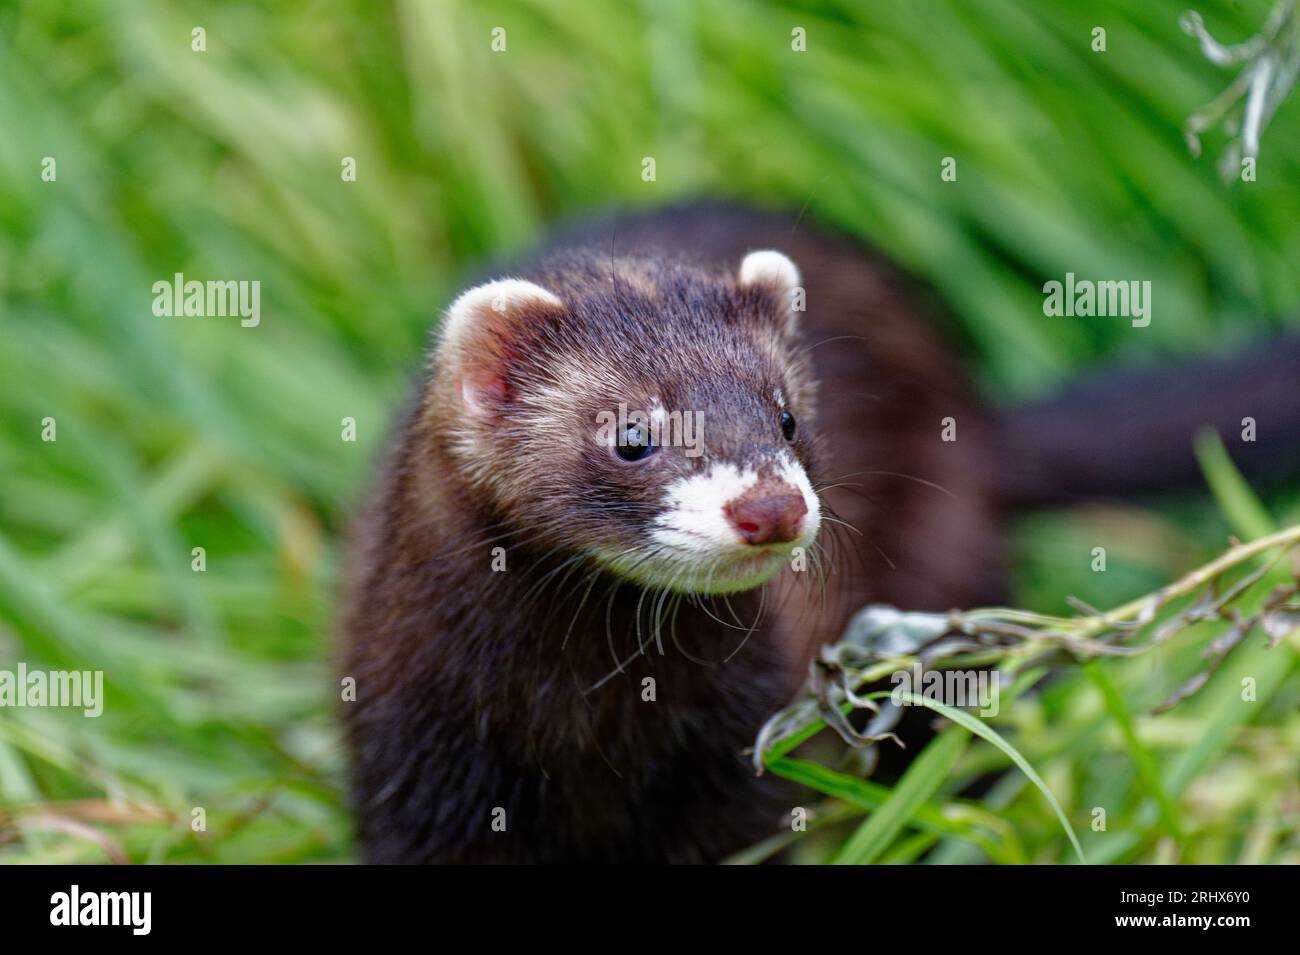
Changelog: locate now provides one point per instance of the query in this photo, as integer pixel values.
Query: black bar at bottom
(333, 905)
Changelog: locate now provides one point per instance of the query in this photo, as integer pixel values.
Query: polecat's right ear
(477, 335)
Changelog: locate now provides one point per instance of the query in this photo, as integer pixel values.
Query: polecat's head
(649, 414)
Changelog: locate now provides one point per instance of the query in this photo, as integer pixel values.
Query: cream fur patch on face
(695, 522)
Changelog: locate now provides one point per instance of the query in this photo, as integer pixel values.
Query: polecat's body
(474, 685)
(483, 687)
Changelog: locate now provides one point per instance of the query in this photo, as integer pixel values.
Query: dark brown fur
(473, 687)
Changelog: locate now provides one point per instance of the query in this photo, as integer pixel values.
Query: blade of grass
(869, 795)
(1146, 768)
(823, 817)
(921, 780)
(984, 732)
(1244, 511)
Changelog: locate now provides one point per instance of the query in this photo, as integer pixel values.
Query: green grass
(175, 433)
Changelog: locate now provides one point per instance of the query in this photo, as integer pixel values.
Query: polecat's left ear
(478, 337)
(775, 272)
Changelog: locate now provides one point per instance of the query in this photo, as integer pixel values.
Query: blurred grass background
(225, 164)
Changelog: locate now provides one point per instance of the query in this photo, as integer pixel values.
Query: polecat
(564, 634)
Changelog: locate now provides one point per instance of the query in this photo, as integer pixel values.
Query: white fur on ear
(502, 297)
(773, 270)
(769, 267)
(476, 334)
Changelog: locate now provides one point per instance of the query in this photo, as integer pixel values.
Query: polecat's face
(648, 415)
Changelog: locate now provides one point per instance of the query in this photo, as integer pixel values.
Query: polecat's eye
(787, 425)
(634, 445)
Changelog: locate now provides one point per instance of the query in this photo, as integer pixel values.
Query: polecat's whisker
(593, 577)
(892, 565)
(836, 520)
(762, 602)
(899, 474)
(622, 665)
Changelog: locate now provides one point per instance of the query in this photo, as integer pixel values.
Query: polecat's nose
(772, 516)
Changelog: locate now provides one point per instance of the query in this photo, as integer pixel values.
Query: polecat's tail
(1129, 431)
